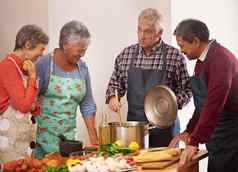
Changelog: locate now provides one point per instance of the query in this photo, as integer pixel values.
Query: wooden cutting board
(158, 165)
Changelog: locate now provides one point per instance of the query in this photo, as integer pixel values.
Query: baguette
(164, 155)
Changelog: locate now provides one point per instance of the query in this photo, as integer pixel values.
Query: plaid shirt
(177, 76)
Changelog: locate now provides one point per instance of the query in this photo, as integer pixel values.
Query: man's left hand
(188, 154)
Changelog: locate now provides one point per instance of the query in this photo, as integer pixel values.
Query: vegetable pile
(118, 148)
(110, 157)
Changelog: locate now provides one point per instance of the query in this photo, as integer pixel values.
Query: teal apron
(223, 144)
(139, 82)
(58, 112)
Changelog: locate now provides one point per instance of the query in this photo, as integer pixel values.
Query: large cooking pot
(161, 110)
(128, 132)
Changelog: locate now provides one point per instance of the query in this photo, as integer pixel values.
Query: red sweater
(221, 78)
(12, 90)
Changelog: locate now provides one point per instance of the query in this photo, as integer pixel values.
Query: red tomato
(10, 166)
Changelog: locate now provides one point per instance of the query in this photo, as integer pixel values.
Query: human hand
(184, 136)
(187, 155)
(114, 104)
(29, 67)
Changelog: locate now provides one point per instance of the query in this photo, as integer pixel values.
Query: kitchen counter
(191, 167)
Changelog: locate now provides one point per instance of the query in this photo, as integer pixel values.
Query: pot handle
(147, 128)
(151, 127)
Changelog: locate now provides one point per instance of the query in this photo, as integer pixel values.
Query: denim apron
(223, 143)
(58, 112)
(139, 82)
(16, 130)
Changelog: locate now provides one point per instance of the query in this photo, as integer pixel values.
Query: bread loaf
(163, 155)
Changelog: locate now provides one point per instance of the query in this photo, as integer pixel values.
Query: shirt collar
(205, 51)
(157, 46)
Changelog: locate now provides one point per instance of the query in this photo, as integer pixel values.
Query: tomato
(36, 163)
(52, 163)
(18, 169)
(24, 167)
(10, 166)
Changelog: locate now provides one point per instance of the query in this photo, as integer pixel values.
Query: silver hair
(73, 32)
(152, 17)
(32, 33)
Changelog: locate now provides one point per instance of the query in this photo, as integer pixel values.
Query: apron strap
(164, 55)
(134, 56)
(19, 70)
(51, 64)
(164, 59)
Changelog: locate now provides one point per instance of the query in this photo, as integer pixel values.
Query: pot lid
(160, 105)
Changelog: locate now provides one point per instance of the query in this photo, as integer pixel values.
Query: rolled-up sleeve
(117, 80)
(88, 105)
(183, 88)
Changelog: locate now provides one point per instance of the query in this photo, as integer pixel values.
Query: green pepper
(112, 149)
(63, 168)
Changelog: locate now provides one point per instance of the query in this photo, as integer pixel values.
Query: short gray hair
(32, 33)
(73, 32)
(153, 17)
(190, 28)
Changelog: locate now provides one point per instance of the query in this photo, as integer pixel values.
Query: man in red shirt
(215, 92)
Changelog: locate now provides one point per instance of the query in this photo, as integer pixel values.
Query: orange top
(12, 90)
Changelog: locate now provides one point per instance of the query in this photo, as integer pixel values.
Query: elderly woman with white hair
(64, 85)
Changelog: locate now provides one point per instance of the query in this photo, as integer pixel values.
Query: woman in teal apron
(64, 85)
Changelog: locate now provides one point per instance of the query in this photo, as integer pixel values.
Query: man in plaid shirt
(141, 66)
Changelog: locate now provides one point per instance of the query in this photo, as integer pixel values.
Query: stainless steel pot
(128, 132)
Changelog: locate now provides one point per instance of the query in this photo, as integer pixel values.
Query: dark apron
(139, 82)
(223, 143)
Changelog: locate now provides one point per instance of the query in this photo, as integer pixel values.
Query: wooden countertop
(191, 167)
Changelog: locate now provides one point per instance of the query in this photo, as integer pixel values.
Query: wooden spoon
(119, 110)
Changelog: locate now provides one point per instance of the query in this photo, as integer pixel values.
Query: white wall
(16, 13)
(113, 25)
(221, 18)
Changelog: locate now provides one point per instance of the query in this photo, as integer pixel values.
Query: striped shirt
(177, 77)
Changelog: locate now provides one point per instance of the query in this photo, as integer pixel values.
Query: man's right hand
(184, 136)
(114, 104)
